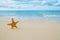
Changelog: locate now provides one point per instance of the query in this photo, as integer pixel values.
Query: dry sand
(30, 30)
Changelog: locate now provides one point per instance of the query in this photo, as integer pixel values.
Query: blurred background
(30, 4)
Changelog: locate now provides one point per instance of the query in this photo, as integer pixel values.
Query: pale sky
(29, 4)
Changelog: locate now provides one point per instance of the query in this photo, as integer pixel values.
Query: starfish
(13, 24)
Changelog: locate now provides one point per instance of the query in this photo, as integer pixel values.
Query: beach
(29, 19)
(29, 30)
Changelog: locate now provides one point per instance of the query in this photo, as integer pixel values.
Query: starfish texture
(13, 24)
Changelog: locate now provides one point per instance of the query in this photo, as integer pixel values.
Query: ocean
(49, 15)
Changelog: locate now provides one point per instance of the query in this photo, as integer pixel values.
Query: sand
(30, 30)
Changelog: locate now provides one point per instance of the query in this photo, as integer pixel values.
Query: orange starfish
(13, 24)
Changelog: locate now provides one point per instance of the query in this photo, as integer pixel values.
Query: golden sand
(30, 30)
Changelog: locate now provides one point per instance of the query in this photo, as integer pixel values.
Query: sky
(29, 4)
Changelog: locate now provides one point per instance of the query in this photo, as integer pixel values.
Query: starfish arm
(12, 20)
(16, 26)
(17, 21)
(8, 24)
(11, 27)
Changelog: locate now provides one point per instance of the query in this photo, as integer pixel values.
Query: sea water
(49, 15)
